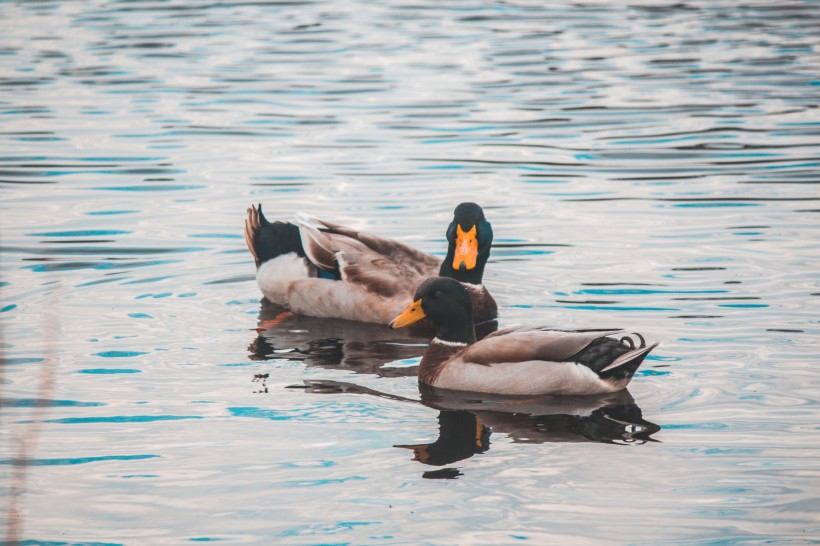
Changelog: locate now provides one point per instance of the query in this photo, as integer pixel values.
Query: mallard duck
(516, 361)
(323, 269)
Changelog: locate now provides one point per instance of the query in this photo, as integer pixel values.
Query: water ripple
(645, 165)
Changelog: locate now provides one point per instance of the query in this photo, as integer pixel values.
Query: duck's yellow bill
(466, 248)
(412, 314)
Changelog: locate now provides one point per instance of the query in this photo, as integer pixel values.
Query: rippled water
(652, 166)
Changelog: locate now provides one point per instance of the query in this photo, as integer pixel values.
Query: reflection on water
(461, 435)
(342, 344)
(335, 344)
(467, 420)
(644, 163)
(613, 418)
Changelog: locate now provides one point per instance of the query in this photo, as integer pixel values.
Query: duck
(322, 269)
(529, 360)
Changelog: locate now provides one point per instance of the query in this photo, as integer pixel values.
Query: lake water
(651, 165)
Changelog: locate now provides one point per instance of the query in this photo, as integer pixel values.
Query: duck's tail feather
(625, 366)
(267, 240)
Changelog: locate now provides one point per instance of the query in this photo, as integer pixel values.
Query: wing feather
(319, 248)
(408, 257)
(522, 345)
(357, 262)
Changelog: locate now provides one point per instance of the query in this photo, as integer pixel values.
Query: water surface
(652, 166)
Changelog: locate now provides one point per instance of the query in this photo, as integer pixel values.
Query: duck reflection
(333, 343)
(461, 435)
(466, 421)
(465, 424)
(607, 418)
(339, 344)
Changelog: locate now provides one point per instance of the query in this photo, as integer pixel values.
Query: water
(652, 166)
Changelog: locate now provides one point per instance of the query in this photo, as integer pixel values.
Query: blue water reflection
(646, 165)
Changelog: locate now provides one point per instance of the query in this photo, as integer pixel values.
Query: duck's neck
(457, 334)
(454, 332)
(471, 276)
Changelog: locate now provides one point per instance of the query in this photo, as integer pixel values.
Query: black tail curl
(627, 340)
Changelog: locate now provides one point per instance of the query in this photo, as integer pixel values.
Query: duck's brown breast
(435, 359)
(484, 306)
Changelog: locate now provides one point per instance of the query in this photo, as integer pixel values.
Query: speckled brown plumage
(484, 306)
(434, 359)
(323, 269)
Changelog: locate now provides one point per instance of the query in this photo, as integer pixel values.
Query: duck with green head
(321, 269)
(516, 361)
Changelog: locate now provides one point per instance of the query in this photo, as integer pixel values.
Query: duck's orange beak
(412, 314)
(420, 453)
(466, 248)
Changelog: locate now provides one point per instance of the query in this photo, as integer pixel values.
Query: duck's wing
(358, 263)
(608, 353)
(526, 344)
(399, 253)
(545, 362)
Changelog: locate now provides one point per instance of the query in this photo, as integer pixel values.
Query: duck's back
(537, 362)
(367, 285)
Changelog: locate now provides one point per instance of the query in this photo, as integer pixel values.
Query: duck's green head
(447, 304)
(469, 237)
